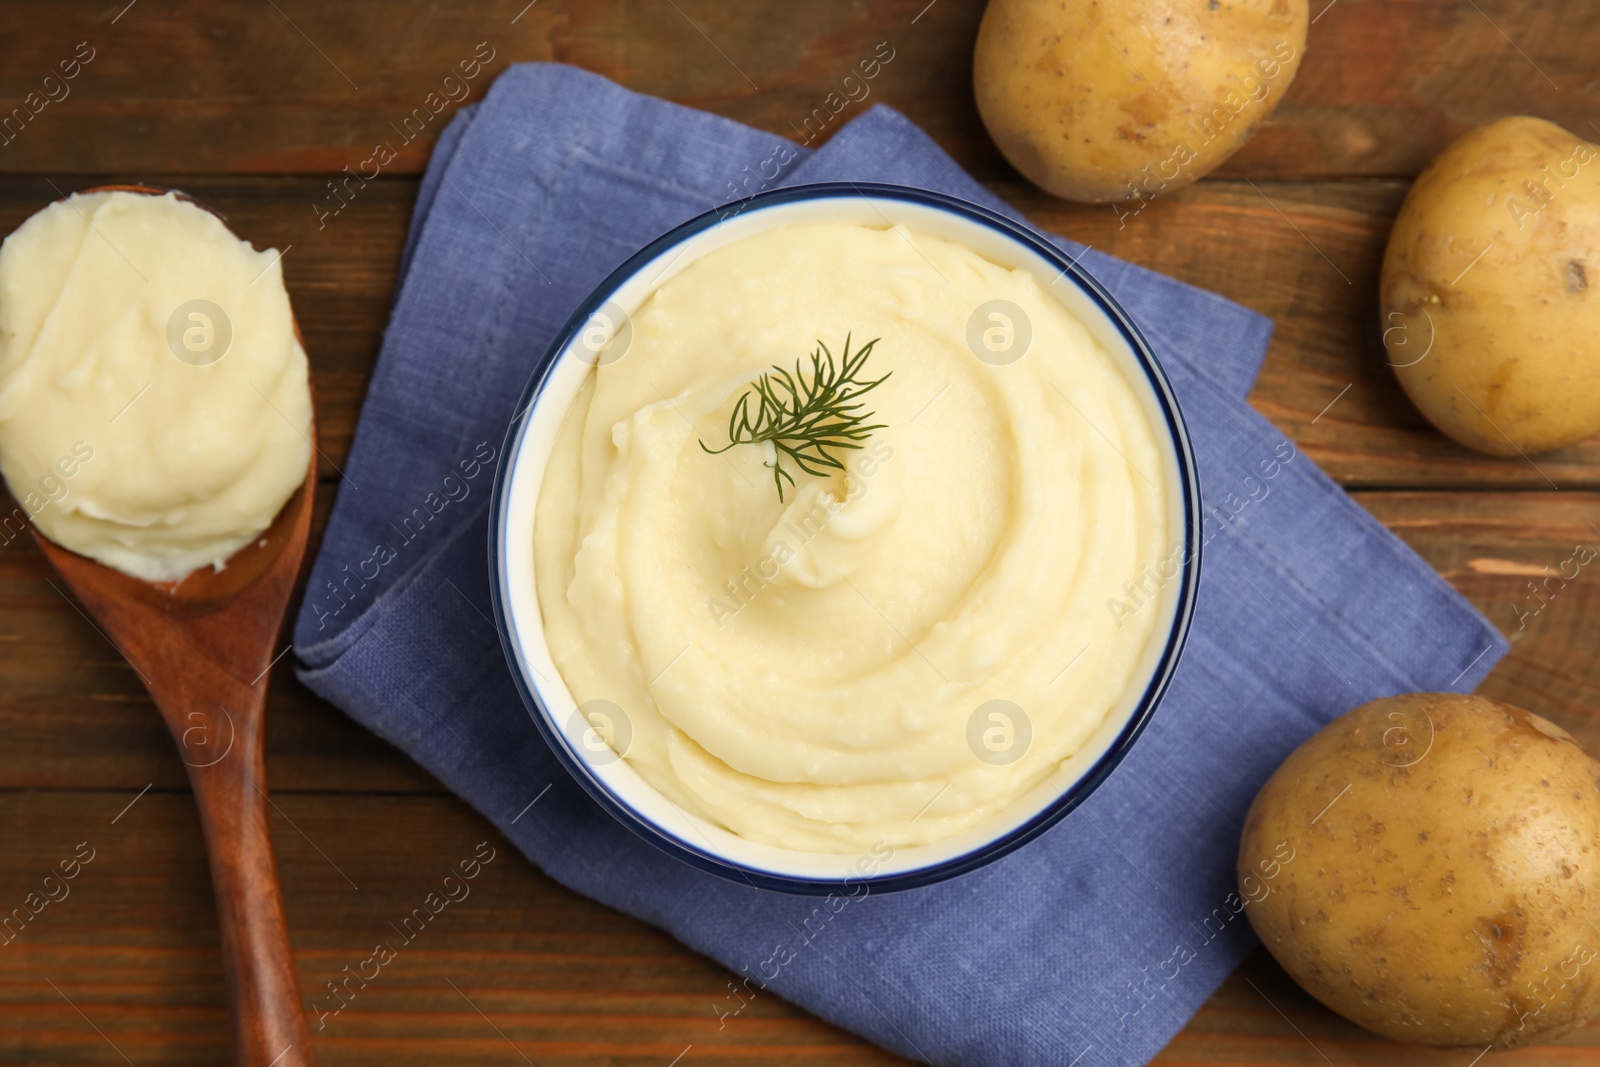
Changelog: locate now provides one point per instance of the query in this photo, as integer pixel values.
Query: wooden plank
(1508, 553)
(299, 87)
(1306, 255)
(559, 979)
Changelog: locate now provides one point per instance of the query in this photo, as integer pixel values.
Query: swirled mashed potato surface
(822, 673)
(155, 403)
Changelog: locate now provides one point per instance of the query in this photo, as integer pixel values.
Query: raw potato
(1103, 100)
(1445, 875)
(1514, 362)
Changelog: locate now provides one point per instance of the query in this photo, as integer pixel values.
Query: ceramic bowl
(613, 782)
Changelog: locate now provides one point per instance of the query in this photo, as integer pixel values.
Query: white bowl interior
(530, 454)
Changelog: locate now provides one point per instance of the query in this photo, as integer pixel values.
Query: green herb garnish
(806, 417)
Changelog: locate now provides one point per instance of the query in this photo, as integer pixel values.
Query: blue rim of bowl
(1070, 798)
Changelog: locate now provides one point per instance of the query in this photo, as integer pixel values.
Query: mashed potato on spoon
(155, 405)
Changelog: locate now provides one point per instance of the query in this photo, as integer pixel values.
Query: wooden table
(253, 107)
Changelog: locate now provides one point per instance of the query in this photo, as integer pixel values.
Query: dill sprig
(808, 414)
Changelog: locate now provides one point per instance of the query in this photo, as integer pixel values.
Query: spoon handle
(217, 723)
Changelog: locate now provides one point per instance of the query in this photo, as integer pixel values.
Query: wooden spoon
(203, 647)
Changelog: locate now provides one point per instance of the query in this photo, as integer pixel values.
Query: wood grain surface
(253, 108)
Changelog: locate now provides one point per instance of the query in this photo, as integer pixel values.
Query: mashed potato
(890, 654)
(155, 407)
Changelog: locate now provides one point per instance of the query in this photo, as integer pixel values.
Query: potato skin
(1446, 875)
(1514, 363)
(1065, 87)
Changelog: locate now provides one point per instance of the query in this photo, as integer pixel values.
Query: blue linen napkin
(1092, 945)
